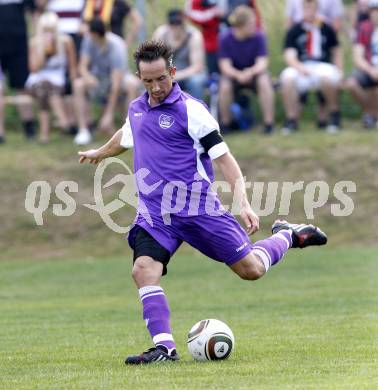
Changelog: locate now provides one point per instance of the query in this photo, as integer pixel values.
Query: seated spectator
(314, 61)
(102, 68)
(329, 11)
(363, 83)
(243, 62)
(360, 12)
(188, 52)
(232, 4)
(114, 13)
(50, 53)
(69, 14)
(14, 54)
(207, 16)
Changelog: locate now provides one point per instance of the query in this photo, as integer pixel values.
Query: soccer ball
(210, 340)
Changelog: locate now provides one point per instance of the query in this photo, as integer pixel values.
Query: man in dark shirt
(14, 52)
(314, 62)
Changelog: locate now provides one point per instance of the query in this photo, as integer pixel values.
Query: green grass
(311, 323)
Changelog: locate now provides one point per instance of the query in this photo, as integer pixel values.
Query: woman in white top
(50, 54)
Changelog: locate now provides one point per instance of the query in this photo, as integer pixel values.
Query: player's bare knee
(252, 273)
(250, 268)
(146, 271)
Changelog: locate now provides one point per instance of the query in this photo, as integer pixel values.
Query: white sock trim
(162, 337)
(149, 289)
(284, 238)
(263, 256)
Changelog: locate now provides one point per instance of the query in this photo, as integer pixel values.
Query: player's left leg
(270, 251)
(264, 254)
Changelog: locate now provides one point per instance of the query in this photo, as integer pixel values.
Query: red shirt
(364, 37)
(208, 23)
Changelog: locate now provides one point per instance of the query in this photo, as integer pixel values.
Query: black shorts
(14, 64)
(252, 86)
(146, 245)
(364, 79)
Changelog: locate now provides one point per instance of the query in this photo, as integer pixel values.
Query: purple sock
(272, 249)
(156, 315)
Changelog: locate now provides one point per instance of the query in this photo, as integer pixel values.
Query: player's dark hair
(150, 51)
(97, 26)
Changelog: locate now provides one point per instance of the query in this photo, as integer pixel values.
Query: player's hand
(91, 81)
(93, 156)
(250, 219)
(244, 77)
(305, 71)
(374, 74)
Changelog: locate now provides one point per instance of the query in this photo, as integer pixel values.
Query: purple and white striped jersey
(170, 163)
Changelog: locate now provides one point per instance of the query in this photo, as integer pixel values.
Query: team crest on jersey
(166, 121)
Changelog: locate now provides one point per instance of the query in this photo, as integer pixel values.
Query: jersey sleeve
(204, 130)
(127, 136)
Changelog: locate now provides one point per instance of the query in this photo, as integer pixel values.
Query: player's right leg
(150, 261)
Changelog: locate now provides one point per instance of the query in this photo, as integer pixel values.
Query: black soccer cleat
(153, 355)
(303, 235)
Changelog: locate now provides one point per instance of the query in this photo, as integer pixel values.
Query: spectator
(188, 52)
(14, 53)
(2, 135)
(232, 4)
(50, 54)
(314, 61)
(363, 82)
(330, 11)
(114, 13)
(207, 16)
(69, 13)
(360, 12)
(243, 61)
(103, 78)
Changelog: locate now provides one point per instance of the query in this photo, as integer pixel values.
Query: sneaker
(369, 121)
(332, 129)
(303, 235)
(334, 123)
(268, 129)
(290, 126)
(153, 355)
(321, 124)
(83, 137)
(2, 139)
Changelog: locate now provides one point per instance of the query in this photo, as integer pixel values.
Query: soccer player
(175, 139)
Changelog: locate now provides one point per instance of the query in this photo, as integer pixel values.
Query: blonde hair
(240, 16)
(49, 20)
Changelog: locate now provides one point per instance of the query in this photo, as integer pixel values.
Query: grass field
(311, 323)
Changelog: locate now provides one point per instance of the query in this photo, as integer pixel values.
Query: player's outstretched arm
(110, 149)
(233, 175)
